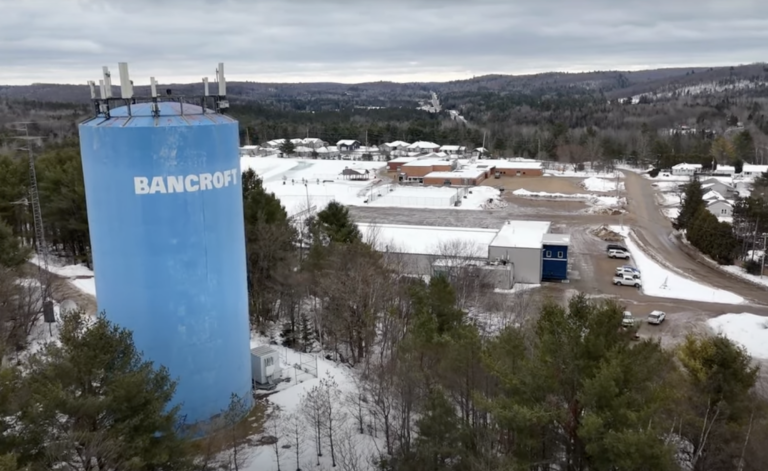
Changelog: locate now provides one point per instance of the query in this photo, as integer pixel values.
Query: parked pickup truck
(627, 280)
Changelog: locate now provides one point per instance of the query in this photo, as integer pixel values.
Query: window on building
(723, 212)
(559, 254)
(269, 361)
(549, 253)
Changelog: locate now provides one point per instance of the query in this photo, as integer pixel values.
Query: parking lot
(591, 271)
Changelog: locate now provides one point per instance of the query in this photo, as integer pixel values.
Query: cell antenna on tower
(103, 99)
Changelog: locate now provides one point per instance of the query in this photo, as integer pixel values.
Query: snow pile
(600, 184)
(79, 275)
(571, 171)
(666, 186)
(589, 198)
(738, 271)
(748, 330)
(668, 199)
(663, 282)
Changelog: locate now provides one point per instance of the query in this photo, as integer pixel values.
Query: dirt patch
(244, 433)
(606, 234)
(565, 185)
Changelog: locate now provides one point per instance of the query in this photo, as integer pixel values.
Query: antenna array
(103, 100)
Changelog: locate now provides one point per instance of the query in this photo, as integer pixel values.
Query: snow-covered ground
(601, 184)
(668, 177)
(566, 170)
(666, 186)
(79, 275)
(664, 282)
(288, 399)
(738, 271)
(668, 199)
(747, 330)
(589, 198)
(478, 197)
(671, 213)
(299, 183)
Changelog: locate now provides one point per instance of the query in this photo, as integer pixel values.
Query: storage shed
(519, 244)
(554, 256)
(265, 366)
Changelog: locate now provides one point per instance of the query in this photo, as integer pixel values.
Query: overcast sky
(67, 41)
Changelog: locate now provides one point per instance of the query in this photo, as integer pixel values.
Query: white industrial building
(518, 252)
(519, 244)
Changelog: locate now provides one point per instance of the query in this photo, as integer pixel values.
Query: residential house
(725, 170)
(275, 143)
(423, 146)
(752, 171)
(713, 184)
(396, 146)
(249, 151)
(348, 145)
(303, 151)
(453, 150)
(720, 208)
(686, 169)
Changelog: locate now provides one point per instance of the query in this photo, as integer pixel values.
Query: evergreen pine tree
(287, 147)
(92, 398)
(12, 254)
(692, 202)
(337, 225)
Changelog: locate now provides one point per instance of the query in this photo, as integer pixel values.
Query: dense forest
(556, 386)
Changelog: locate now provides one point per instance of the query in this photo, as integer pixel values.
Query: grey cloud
(350, 40)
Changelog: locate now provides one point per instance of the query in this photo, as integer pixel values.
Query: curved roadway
(655, 231)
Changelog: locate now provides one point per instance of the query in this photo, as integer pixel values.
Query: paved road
(655, 231)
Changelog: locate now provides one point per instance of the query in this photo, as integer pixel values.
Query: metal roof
(262, 350)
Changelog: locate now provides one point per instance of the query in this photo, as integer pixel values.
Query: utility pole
(754, 238)
(34, 198)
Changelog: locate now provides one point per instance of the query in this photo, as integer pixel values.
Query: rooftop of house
(347, 142)
(424, 145)
(521, 234)
(451, 148)
(751, 168)
(397, 144)
(250, 147)
(428, 240)
(685, 166)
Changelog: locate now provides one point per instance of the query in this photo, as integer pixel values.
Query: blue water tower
(165, 210)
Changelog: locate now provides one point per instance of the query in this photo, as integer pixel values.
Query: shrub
(753, 267)
(654, 173)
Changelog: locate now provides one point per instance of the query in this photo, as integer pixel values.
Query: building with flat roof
(526, 248)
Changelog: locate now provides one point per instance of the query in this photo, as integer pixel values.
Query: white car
(627, 271)
(618, 254)
(627, 280)
(656, 317)
(627, 320)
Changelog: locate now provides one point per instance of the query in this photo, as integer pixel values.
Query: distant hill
(612, 84)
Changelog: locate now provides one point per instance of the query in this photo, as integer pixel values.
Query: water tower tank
(165, 212)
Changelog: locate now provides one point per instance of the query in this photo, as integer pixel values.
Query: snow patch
(600, 184)
(747, 330)
(663, 282)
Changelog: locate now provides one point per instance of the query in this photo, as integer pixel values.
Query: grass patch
(225, 436)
